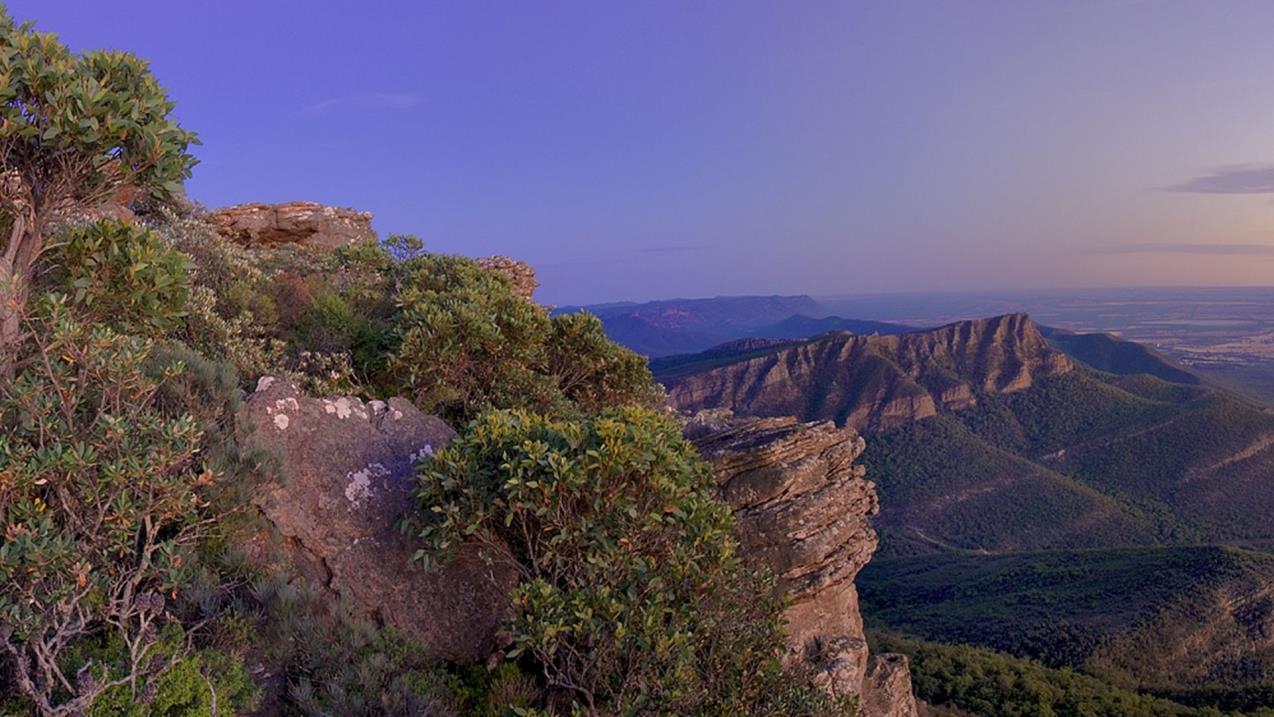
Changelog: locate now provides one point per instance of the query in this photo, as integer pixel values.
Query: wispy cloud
(374, 100)
(1232, 179)
(1198, 249)
(674, 249)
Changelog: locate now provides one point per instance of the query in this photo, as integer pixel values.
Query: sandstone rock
(305, 223)
(887, 691)
(520, 274)
(802, 509)
(874, 382)
(347, 470)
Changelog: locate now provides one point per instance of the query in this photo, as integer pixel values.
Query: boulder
(519, 273)
(803, 509)
(305, 223)
(347, 470)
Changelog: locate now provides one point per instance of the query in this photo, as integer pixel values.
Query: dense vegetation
(125, 490)
(991, 684)
(631, 596)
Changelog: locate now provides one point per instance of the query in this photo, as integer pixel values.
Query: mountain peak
(876, 381)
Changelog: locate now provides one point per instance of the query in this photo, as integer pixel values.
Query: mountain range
(1073, 498)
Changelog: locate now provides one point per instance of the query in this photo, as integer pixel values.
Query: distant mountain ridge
(877, 381)
(685, 326)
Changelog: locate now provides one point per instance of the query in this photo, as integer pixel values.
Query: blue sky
(652, 149)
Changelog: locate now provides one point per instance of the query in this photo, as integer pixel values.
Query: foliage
(123, 275)
(592, 371)
(204, 683)
(346, 666)
(101, 508)
(631, 599)
(466, 341)
(73, 129)
(995, 685)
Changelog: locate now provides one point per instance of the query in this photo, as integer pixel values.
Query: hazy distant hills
(683, 326)
(1047, 493)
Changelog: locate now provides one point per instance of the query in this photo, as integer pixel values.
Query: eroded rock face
(347, 470)
(520, 274)
(802, 509)
(305, 223)
(875, 382)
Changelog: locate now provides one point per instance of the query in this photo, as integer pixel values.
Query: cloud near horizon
(1232, 179)
(1197, 249)
(381, 100)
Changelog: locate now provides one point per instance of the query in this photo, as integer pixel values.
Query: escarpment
(345, 482)
(305, 223)
(803, 508)
(871, 382)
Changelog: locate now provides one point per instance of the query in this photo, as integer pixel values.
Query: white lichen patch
(342, 407)
(281, 421)
(359, 487)
(397, 414)
(378, 407)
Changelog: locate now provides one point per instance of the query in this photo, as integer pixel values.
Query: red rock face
(802, 509)
(346, 482)
(519, 273)
(304, 223)
(873, 382)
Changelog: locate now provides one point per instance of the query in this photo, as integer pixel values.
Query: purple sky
(651, 149)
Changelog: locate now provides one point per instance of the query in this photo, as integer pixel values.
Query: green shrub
(466, 341)
(631, 599)
(594, 372)
(122, 275)
(101, 508)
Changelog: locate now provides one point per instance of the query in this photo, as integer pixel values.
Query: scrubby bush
(123, 275)
(101, 506)
(466, 341)
(592, 371)
(632, 598)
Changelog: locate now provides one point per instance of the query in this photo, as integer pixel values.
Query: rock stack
(305, 223)
(520, 274)
(802, 509)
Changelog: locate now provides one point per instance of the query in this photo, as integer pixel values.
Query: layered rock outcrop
(803, 509)
(871, 382)
(520, 274)
(305, 223)
(346, 470)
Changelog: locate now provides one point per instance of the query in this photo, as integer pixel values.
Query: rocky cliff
(870, 382)
(803, 510)
(305, 223)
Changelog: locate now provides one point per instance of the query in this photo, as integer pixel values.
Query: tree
(73, 130)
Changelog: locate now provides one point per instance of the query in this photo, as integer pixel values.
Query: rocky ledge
(803, 510)
(305, 223)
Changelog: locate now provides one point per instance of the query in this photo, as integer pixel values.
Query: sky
(641, 150)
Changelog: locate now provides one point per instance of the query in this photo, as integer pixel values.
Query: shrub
(631, 599)
(100, 503)
(466, 341)
(123, 275)
(594, 372)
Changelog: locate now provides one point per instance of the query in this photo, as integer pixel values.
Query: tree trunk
(13, 305)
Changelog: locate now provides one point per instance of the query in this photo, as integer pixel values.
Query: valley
(1075, 499)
